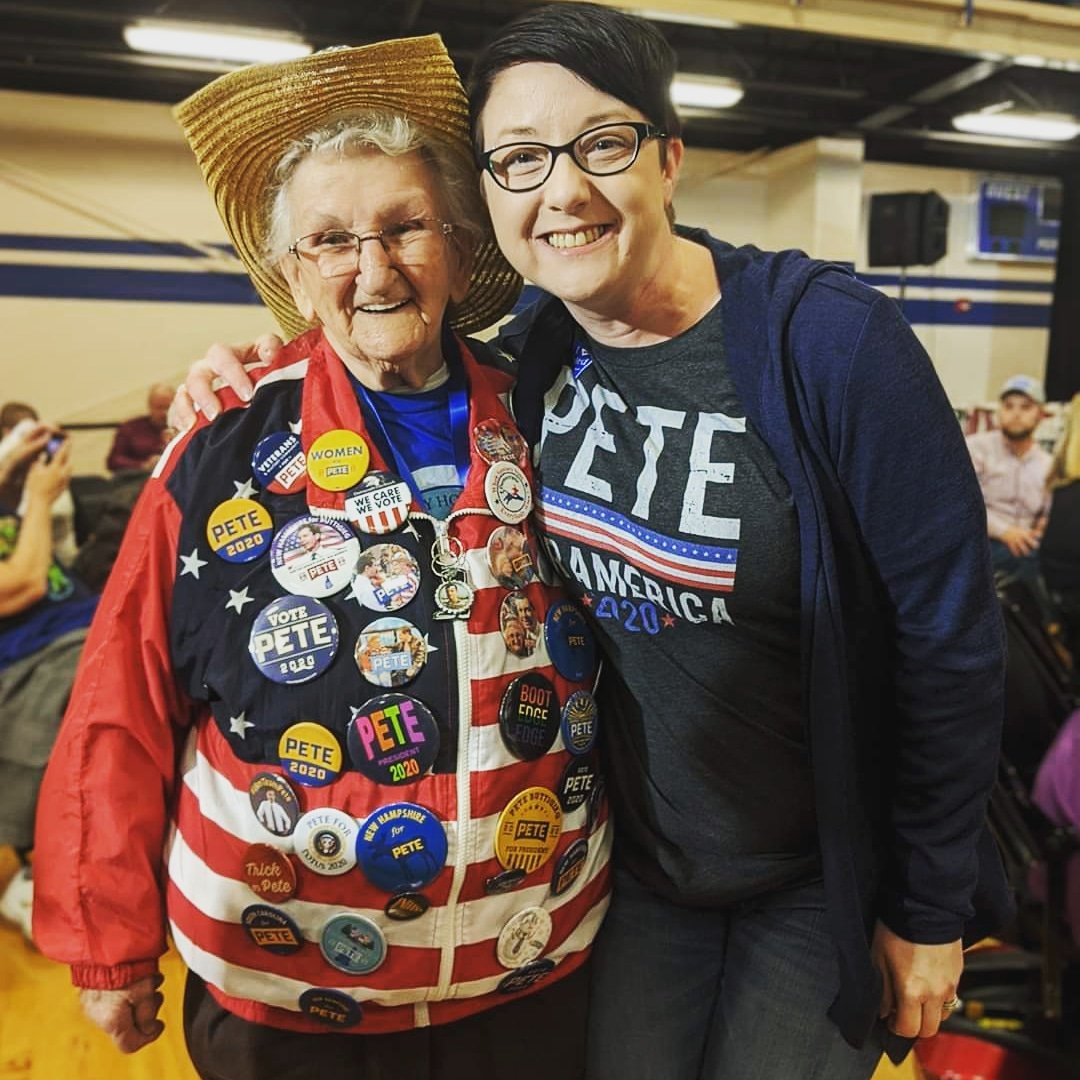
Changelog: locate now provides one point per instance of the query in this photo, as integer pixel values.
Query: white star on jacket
(192, 564)
(238, 725)
(244, 489)
(237, 600)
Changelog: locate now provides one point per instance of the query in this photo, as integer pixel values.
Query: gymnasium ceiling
(892, 71)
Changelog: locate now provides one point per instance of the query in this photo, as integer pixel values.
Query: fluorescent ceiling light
(705, 92)
(213, 42)
(1014, 124)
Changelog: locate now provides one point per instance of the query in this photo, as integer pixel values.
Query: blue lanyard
(458, 394)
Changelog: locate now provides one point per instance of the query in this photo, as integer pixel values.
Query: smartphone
(53, 445)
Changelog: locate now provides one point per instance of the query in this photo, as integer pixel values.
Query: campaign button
(519, 625)
(278, 463)
(393, 739)
(526, 976)
(275, 803)
(325, 841)
(507, 492)
(510, 557)
(337, 460)
(499, 440)
(239, 530)
(523, 938)
(390, 652)
(529, 716)
(454, 599)
(596, 801)
(331, 1007)
(405, 906)
(576, 782)
(387, 577)
(271, 929)
(528, 829)
(570, 642)
(312, 556)
(379, 503)
(310, 754)
(569, 866)
(269, 872)
(579, 722)
(504, 882)
(352, 944)
(293, 639)
(401, 847)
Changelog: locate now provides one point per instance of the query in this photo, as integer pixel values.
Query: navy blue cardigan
(903, 647)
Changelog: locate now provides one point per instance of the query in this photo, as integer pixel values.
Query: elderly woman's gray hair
(392, 134)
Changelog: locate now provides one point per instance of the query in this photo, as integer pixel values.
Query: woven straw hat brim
(240, 125)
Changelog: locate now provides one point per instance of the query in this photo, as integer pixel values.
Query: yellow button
(338, 459)
(239, 530)
(528, 830)
(310, 754)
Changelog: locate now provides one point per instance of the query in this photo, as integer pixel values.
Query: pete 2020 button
(379, 503)
(269, 873)
(293, 639)
(523, 938)
(239, 530)
(401, 847)
(271, 929)
(576, 782)
(314, 557)
(393, 739)
(528, 830)
(352, 944)
(338, 460)
(570, 642)
(529, 716)
(579, 722)
(325, 841)
(310, 754)
(275, 803)
(278, 462)
(331, 1007)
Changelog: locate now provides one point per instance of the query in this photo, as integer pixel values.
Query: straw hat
(240, 125)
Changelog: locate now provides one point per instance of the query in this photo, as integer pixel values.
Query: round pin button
(387, 577)
(401, 847)
(337, 460)
(275, 803)
(528, 829)
(271, 929)
(499, 440)
(529, 716)
(311, 556)
(526, 976)
(454, 599)
(239, 530)
(325, 841)
(596, 802)
(293, 639)
(390, 652)
(406, 906)
(278, 462)
(569, 867)
(379, 503)
(331, 1007)
(507, 492)
(393, 739)
(576, 782)
(510, 557)
(523, 938)
(352, 944)
(504, 882)
(518, 624)
(269, 872)
(310, 754)
(579, 722)
(570, 642)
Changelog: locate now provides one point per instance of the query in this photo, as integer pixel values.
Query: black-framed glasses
(600, 151)
(337, 251)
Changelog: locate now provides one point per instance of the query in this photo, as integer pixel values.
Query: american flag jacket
(147, 816)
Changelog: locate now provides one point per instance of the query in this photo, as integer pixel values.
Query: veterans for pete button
(579, 722)
(570, 642)
(337, 460)
(278, 463)
(401, 847)
(293, 639)
(529, 716)
(310, 556)
(528, 829)
(310, 754)
(239, 530)
(325, 841)
(271, 929)
(331, 1007)
(269, 873)
(523, 938)
(393, 739)
(352, 944)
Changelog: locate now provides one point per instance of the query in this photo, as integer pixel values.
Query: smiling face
(384, 320)
(594, 241)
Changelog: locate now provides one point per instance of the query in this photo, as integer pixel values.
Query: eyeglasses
(600, 151)
(337, 251)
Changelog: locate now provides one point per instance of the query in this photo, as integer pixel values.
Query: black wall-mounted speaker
(909, 228)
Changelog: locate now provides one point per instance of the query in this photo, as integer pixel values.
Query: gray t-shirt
(671, 523)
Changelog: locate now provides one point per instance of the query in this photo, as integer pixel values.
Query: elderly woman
(429, 871)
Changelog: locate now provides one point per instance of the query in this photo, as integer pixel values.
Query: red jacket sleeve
(103, 809)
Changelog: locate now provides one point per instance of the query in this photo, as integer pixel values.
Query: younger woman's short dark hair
(621, 55)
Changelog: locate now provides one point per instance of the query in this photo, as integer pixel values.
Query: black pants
(539, 1037)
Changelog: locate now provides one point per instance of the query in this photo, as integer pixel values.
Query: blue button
(526, 976)
(579, 722)
(331, 1007)
(570, 642)
(278, 463)
(352, 944)
(271, 929)
(568, 867)
(401, 846)
(294, 639)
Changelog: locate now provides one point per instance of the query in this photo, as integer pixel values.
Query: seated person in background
(44, 613)
(138, 443)
(1012, 470)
